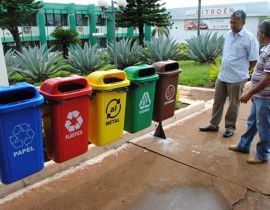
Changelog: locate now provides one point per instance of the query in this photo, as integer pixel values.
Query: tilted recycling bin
(166, 89)
(66, 116)
(140, 97)
(107, 106)
(21, 146)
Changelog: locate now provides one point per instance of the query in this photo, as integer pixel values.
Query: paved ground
(189, 170)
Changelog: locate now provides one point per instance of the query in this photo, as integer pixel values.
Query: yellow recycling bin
(107, 106)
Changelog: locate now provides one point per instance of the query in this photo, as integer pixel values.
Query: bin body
(140, 97)
(66, 117)
(166, 89)
(21, 146)
(107, 107)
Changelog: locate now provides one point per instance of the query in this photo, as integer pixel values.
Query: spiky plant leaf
(37, 63)
(160, 49)
(127, 51)
(205, 48)
(87, 59)
(10, 58)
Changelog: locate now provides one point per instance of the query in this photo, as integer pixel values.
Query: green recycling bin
(140, 97)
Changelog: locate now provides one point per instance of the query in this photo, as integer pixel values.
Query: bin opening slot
(171, 66)
(112, 80)
(146, 72)
(67, 87)
(17, 96)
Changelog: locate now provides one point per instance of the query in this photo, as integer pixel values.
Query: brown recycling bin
(166, 89)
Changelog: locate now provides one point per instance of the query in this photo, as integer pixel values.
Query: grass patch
(194, 74)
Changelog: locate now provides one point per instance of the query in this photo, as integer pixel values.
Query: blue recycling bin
(21, 146)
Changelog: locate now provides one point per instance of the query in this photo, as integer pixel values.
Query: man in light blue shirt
(240, 54)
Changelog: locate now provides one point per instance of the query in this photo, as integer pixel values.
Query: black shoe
(208, 128)
(228, 133)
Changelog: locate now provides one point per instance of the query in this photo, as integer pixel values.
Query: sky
(169, 3)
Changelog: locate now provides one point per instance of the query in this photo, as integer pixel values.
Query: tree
(140, 12)
(15, 13)
(65, 37)
(161, 31)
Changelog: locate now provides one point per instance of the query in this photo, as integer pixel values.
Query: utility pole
(199, 16)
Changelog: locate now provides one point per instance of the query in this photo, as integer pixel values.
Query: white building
(215, 18)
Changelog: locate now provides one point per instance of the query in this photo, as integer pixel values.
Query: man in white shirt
(240, 54)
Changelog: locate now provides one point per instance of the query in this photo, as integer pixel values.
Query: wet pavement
(189, 170)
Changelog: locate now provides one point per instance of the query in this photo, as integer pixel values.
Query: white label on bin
(22, 137)
(73, 124)
(169, 94)
(145, 103)
(112, 111)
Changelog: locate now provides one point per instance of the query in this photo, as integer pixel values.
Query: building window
(49, 19)
(82, 20)
(101, 20)
(56, 19)
(31, 22)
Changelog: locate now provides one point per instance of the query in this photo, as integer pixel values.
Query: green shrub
(177, 100)
(14, 78)
(205, 48)
(215, 68)
(183, 51)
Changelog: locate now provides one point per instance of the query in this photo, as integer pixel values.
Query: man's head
(264, 31)
(238, 19)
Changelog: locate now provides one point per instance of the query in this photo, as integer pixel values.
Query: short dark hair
(240, 14)
(264, 27)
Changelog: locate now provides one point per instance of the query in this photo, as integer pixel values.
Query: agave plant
(205, 48)
(10, 62)
(37, 63)
(127, 51)
(160, 49)
(87, 59)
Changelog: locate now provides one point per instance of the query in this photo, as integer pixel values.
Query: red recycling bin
(66, 116)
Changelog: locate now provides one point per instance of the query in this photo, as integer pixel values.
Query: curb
(51, 168)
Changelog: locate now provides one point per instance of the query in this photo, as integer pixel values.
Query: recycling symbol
(22, 134)
(169, 93)
(145, 101)
(74, 121)
(113, 108)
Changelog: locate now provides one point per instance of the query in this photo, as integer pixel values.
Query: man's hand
(245, 97)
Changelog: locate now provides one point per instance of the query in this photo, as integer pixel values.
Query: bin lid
(167, 67)
(63, 88)
(108, 80)
(19, 96)
(141, 73)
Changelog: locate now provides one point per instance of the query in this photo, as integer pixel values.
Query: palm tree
(161, 31)
(65, 37)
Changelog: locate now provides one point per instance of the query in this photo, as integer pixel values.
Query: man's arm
(252, 64)
(260, 86)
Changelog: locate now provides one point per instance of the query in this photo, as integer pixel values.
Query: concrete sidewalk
(189, 170)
